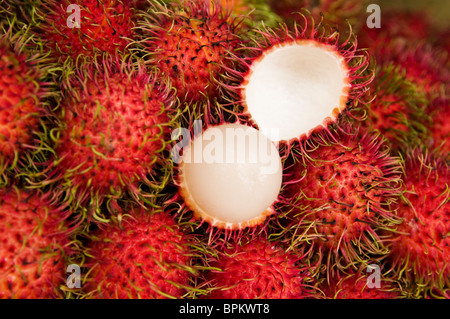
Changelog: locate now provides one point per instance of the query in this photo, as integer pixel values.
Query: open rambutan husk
(293, 81)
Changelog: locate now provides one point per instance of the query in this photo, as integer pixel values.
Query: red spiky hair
(144, 254)
(398, 111)
(439, 130)
(339, 13)
(358, 285)
(352, 62)
(24, 89)
(337, 195)
(420, 249)
(413, 26)
(34, 242)
(189, 44)
(106, 26)
(424, 64)
(111, 133)
(256, 269)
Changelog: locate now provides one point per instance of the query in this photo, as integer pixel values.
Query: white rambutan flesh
(293, 88)
(230, 176)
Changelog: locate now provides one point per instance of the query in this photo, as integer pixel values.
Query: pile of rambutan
(222, 149)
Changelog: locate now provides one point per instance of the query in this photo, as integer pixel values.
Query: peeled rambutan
(111, 133)
(292, 82)
(84, 28)
(191, 44)
(34, 242)
(398, 110)
(229, 176)
(23, 92)
(420, 249)
(145, 254)
(257, 269)
(337, 195)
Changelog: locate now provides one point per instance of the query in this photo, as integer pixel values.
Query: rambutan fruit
(85, 28)
(439, 130)
(24, 89)
(251, 12)
(420, 249)
(359, 285)
(35, 240)
(144, 254)
(245, 13)
(111, 134)
(190, 44)
(292, 82)
(404, 24)
(257, 269)
(337, 195)
(424, 64)
(340, 13)
(229, 176)
(398, 111)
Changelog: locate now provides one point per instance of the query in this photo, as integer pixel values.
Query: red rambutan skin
(411, 25)
(439, 130)
(421, 247)
(191, 47)
(398, 109)
(146, 255)
(33, 243)
(338, 194)
(106, 26)
(424, 64)
(254, 270)
(338, 13)
(114, 123)
(20, 107)
(356, 286)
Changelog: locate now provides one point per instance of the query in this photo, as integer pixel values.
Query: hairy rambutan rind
(424, 63)
(111, 135)
(142, 254)
(439, 130)
(398, 110)
(26, 90)
(256, 269)
(189, 44)
(103, 26)
(337, 196)
(291, 116)
(419, 250)
(337, 12)
(364, 284)
(35, 243)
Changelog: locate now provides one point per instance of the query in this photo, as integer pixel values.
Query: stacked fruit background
(94, 95)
